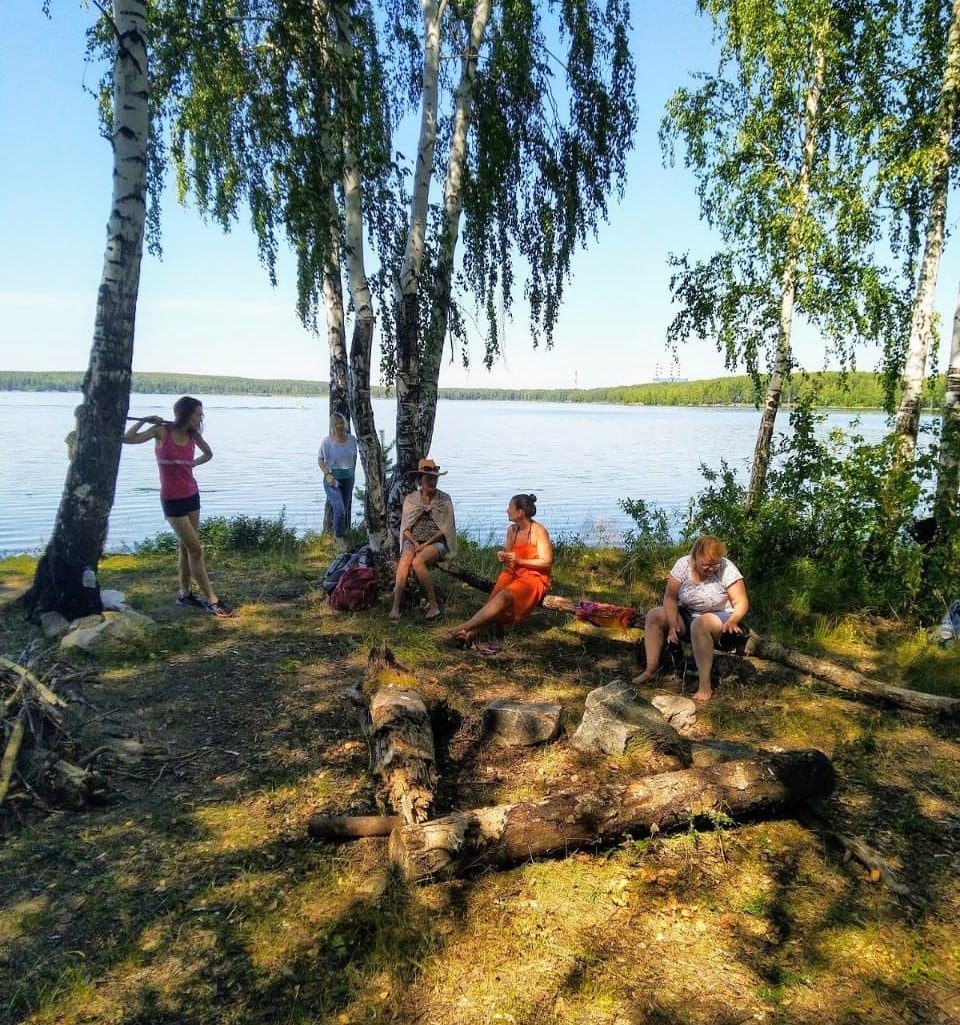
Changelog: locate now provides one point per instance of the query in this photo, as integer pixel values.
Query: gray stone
(93, 633)
(54, 624)
(617, 722)
(521, 724)
(677, 710)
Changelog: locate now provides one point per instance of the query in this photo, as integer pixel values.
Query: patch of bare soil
(195, 896)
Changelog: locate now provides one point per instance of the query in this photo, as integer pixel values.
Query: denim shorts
(688, 617)
(441, 546)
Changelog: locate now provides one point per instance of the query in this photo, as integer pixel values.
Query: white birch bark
(361, 407)
(782, 359)
(907, 422)
(81, 525)
(452, 211)
(409, 444)
(948, 460)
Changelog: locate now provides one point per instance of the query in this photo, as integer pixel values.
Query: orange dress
(527, 585)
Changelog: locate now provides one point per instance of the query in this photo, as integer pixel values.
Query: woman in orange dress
(527, 557)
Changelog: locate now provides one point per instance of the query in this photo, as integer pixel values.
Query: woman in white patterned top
(705, 598)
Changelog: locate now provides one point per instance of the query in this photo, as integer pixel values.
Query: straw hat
(427, 467)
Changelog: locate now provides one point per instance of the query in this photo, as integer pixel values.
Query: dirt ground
(195, 896)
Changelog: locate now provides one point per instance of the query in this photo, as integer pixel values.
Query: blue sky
(207, 306)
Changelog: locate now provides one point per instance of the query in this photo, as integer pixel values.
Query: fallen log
(850, 681)
(467, 576)
(337, 828)
(394, 719)
(507, 834)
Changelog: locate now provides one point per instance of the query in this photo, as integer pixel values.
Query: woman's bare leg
(501, 602)
(704, 634)
(403, 571)
(185, 527)
(422, 562)
(655, 630)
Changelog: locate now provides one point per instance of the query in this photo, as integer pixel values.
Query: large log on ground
(351, 827)
(394, 719)
(507, 834)
(850, 681)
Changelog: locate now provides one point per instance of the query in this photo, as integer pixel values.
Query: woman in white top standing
(705, 598)
(337, 460)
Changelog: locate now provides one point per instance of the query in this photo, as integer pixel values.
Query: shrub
(235, 533)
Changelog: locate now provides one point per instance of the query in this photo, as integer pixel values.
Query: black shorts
(174, 507)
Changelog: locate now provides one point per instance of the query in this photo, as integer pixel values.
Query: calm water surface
(578, 459)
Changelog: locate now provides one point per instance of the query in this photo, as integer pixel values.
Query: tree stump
(394, 719)
(504, 835)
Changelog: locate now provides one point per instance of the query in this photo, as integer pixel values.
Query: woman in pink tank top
(175, 445)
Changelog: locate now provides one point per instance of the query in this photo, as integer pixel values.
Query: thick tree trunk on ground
(395, 721)
(507, 834)
(351, 827)
(81, 525)
(850, 681)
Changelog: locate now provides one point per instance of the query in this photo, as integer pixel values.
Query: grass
(196, 897)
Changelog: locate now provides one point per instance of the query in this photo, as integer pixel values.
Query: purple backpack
(356, 589)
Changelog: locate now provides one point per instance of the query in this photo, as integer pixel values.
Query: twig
(10, 754)
(41, 688)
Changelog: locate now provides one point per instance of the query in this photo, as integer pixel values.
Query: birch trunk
(452, 210)
(80, 529)
(409, 443)
(781, 364)
(948, 461)
(361, 408)
(907, 423)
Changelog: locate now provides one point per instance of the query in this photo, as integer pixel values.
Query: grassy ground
(196, 897)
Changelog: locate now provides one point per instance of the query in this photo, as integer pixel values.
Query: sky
(207, 306)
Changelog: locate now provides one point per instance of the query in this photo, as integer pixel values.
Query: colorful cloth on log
(527, 586)
(605, 616)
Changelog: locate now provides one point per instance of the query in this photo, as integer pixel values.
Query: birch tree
(935, 156)
(778, 141)
(948, 459)
(530, 145)
(80, 529)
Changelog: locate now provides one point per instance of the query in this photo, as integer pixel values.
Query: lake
(578, 459)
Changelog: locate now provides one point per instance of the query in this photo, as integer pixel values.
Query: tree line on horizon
(825, 389)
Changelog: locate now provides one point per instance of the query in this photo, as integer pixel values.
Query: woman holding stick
(175, 446)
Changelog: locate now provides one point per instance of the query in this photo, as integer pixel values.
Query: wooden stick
(42, 689)
(10, 754)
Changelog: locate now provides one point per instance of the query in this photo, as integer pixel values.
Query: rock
(520, 724)
(678, 711)
(93, 633)
(617, 722)
(54, 624)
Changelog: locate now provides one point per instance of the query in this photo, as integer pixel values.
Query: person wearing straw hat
(428, 533)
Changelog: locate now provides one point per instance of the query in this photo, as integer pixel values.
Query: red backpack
(356, 589)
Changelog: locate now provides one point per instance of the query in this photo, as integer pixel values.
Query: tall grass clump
(232, 534)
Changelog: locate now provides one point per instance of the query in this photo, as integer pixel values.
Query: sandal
(431, 616)
(220, 610)
(190, 600)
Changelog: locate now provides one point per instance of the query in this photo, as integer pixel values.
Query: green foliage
(831, 531)
(236, 533)
(647, 539)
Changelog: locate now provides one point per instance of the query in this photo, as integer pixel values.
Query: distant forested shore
(855, 390)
